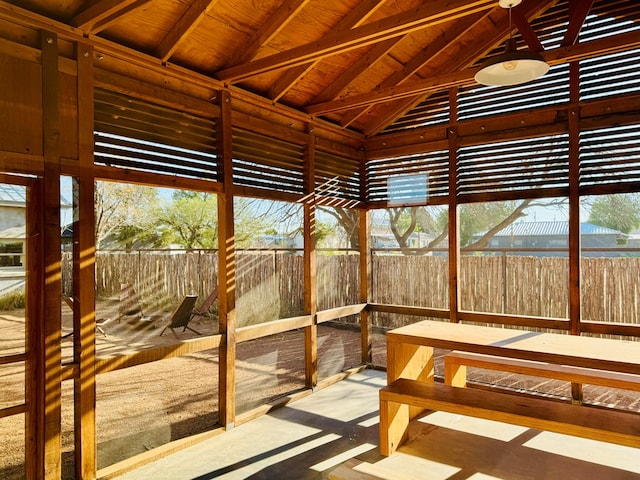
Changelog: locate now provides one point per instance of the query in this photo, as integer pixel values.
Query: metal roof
(12, 194)
(551, 228)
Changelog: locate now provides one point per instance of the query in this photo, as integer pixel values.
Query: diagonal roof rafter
(432, 13)
(187, 23)
(526, 11)
(354, 18)
(104, 13)
(278, 21)
(457, 30)
(578, 11)
(571, 53)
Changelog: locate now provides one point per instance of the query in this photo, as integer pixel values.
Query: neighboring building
(388, 240)
(555, 235)
(13, 202)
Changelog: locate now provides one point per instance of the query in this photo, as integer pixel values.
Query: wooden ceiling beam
(430, 14)
(397, 109)
(187, 23)
(603, 46)
(457, 30)
(355, 17)
(356, 69)
(578, 11)
(279, 20)
(526, 32)
(104, 11)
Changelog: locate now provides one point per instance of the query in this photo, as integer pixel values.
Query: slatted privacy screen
(514, 166)
(610, 17)
(263, 162)
(482, 101)
(434, 110)
(406, 179)
(337, 176)
(139, 135)
(610, 75)
(616, 73)
(610, 156)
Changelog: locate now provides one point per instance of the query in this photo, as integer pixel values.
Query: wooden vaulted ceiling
(360, 64)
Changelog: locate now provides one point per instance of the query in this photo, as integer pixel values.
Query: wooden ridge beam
(428, 15)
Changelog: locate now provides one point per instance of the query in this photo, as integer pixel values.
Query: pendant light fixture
(514, 66)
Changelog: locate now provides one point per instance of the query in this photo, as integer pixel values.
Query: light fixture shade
(512, 67)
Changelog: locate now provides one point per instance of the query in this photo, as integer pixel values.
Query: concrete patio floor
(336, 430)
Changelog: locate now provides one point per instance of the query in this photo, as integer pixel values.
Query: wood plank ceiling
(360, 64)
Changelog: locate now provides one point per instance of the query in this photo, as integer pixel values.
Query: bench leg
(394, 421)
(455, 374)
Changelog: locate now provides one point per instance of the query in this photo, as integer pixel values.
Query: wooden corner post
(52, 288)
(310, 265)
(84, 289)
(226, 268)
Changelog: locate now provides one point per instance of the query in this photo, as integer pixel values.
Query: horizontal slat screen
(135, 134)
(407, 179)
(608, 18)
(263, 162)
(337, 176)
(432, 111)
(610, 156)
(482, 101)
(610, 75)
(537, 163)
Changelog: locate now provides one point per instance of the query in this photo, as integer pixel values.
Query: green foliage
(190, 220)
(619, 212)
(13, 300)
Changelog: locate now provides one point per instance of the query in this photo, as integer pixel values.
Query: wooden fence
(270, 284)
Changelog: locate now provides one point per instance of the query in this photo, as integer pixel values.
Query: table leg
(404, 360)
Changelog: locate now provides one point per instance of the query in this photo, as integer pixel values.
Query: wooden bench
(397, 398)
(456, 363)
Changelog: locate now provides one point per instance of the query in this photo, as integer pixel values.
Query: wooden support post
(226, 269)
(84, 259)
(454, 248)
(34, 317)
(574, 212)
(51, 291)
(310, 266)
(365, 281)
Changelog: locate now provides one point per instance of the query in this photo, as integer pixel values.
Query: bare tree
(119, 206)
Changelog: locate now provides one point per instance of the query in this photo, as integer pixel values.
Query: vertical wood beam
(366, 348)
(310, 265)
(52, 259)
(574, 201)
(454, 248)
(574, 211)
(34, 317)
(226, 268)
(84, 259)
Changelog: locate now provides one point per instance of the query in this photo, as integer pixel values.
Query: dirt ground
(142, 407)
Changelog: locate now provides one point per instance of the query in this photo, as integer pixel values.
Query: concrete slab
(314, 436)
